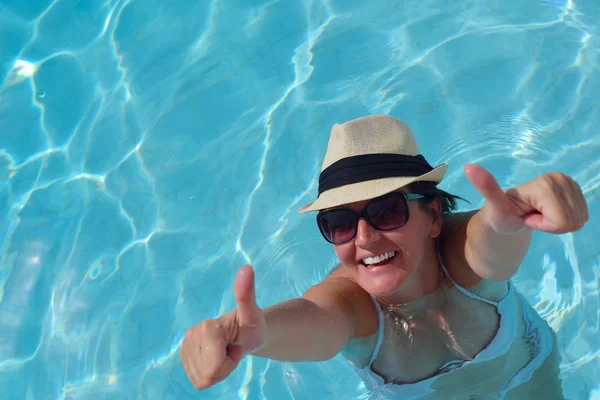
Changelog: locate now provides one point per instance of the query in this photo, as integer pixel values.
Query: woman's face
(401, 253)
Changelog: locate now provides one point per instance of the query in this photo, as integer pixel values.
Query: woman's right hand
(213, 349)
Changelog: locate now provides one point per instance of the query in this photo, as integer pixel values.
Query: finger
(569, 212)
(487, 185)
(553, 216)
(245, 295)
(236, 353)
(566, 209)
(209, 359)
(536, 221)
(544, 224)
(187, 355)
(234, 356)
(580, 203)
(193, 372)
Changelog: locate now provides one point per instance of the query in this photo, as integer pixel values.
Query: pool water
(148, 149)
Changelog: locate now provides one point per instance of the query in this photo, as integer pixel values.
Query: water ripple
(148, 149)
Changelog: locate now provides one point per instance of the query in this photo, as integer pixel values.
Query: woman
(421, 304)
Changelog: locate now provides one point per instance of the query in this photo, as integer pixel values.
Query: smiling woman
(421, 304)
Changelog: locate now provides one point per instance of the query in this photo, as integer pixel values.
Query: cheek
(345, 253)
(411, 242)
(416, 248)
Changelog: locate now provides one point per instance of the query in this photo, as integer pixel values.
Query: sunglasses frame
(406, 197)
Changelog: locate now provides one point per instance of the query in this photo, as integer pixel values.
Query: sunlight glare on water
(148, 149)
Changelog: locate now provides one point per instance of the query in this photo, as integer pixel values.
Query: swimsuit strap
(380, 330)
(462, 289)
(381, 318)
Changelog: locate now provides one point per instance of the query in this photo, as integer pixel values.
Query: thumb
(485, 183)
(497, 201)
(249, 313)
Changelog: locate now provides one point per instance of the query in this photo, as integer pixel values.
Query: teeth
(379, 258)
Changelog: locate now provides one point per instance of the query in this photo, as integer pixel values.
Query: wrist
(507, 226)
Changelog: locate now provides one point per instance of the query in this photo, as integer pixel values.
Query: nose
(366, 234)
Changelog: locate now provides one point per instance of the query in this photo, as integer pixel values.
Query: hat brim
(369, 190)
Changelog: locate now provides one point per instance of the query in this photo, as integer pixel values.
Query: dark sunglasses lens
(337, 226)
(388, 212)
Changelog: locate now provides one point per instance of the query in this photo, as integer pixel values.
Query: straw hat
(367, 158)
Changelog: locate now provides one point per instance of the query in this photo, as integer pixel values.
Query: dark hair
(432, 192)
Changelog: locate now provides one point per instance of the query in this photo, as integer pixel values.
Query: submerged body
(483, 342)
(459, 336)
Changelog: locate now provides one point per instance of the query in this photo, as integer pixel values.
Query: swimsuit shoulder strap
(462, 289)
(380, 330)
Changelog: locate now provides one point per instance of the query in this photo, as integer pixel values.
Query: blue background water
(149, 148)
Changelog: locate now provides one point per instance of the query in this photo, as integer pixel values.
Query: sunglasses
(384, 213)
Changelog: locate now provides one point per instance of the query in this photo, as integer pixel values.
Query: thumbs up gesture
(551, 203)
(214, 348)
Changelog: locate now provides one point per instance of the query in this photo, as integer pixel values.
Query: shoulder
(452, 250)
(341, 295)
(451, 245)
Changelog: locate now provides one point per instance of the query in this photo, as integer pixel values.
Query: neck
(426, 280)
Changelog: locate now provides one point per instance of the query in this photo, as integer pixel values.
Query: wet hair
(432, 192)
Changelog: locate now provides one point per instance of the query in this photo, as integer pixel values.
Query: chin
(387, 289)
(386, 283)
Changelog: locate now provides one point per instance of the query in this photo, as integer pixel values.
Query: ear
(435, 210)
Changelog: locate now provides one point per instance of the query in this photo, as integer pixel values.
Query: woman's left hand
(553, 203)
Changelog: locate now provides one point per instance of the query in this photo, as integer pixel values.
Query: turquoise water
(149, 148)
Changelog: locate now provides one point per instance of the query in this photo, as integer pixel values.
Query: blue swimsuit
(538, 334)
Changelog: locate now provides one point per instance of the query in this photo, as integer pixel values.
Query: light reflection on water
(149, 149)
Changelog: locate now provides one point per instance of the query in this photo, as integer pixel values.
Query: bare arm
(494, 240)
(473, 250)
(493, 255)
(317, 326)
(313, 328)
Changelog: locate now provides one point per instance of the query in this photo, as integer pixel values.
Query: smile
(378, 259)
